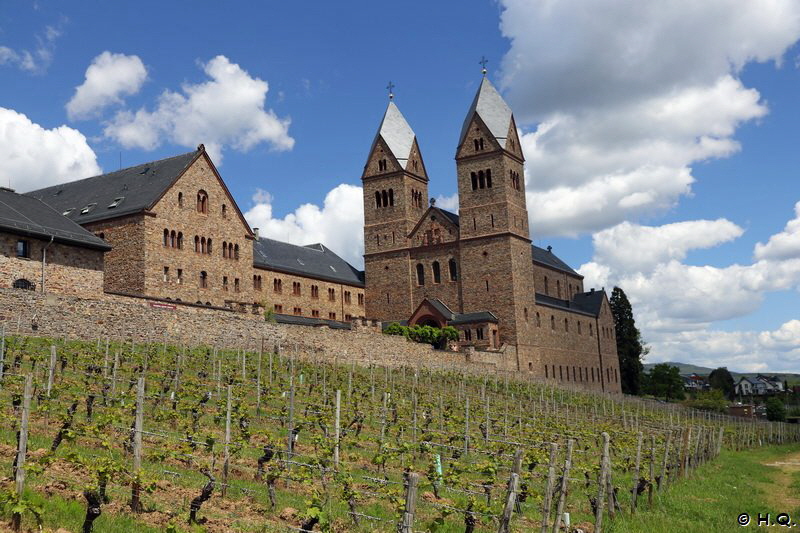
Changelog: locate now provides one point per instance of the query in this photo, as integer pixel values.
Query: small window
(203, 280)
(116, 202)
(68, 211)
(331, 316)
(420, 274)
(437, 275)
(453, 270)
(278, 308)
(315, 313)
(225, 283)
(23, 248)
(552, 322)
(180, 199)
(166, 274)
(180, 276)
(332, 295)
(236, 285)
(297, 311)
(202, 202)
(87, 209)
(224, 211)
(361, 299)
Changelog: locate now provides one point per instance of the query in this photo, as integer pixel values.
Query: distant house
(773, 384)
(745, 386)
(759, 386)
(694, 382)
(743, 410)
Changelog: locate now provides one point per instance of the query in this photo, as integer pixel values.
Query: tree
(720, 379)
(665, 381)
(710, 400)
(776, 411)
(630, 347)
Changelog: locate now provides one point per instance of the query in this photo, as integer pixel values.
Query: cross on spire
(482, 63)
(390, 87)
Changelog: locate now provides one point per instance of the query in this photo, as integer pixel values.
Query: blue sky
(661, 142)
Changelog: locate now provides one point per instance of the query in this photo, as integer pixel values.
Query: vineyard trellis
(173, 430)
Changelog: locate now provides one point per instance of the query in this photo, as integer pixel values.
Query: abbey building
(477, 270)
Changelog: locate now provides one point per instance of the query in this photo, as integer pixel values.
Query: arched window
(180, 199)
(384, 198)
(224, 211)
(488, 178)
(525, 310)
(23, 284)
(236, 251)
(538, 320)
(202, 202)
(173, 239)
(481, 180)
(474, 180)
(552, 322)
(453, 270)
(437, 275)
(180, 240)
(166, 237)
(202, 245)
(476, 144)
(196, 243)
(579, 327)
(203, 280)
(391, 196)
(224, 249)
(480, 143)
(591, 330)
(420, 274)
(566, 324)
(377, 199)
(208, 246)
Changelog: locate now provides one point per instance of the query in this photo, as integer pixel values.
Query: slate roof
(313, 260)
(23, 215)
(397, 134)
(451, 216)
(454, 318)
(310, 321)
(139, 187)
(548, 258)
(586, 303)
(492, 109)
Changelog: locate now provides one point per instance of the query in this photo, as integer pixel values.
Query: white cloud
(448, 203)
(677, 304)
(35, 157)
(629, 97)
(36, 61)
(337, 224)
(108, 78)
(783, 245)
(225, 111)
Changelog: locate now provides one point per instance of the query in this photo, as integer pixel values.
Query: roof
(397, 134)
(548, 258)
(138, 188)
(451, 216)
(492, 109)
(586, 303)
(308, 321)
(471, 318)
(313, 260)
(28, 216)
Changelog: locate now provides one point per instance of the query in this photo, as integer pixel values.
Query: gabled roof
(396, 133)
(548, 258)
(451, 216)
(447, 215)
(313, 260)
(138, 188)
(585, 303)
(23, 215)
(493, 111)
(452, 318)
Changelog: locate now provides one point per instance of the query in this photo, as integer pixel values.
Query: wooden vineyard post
(601, 492)
(466, 426)
(270, 368)
(563, 491)
(136, 505)
(244, 366)
(22, 449)
(511, 499)
(487, 422)
(548, 493)
(2, 353)
(290, 443)
(414, 421)
(636, 472)
(663, 479)
(687, 438)
(51, 370)
(719, 440)
(258, 380)
(227, 450)
(652, 470)
(114, 375)
(336, 429)
(407, 525)
(383, 415)
(105, 361)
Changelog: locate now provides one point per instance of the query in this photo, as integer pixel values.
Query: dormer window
(88, 208)
(116, 202)
(68, 211)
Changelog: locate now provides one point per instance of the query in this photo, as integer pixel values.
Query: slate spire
(492, 110)
(396, 133)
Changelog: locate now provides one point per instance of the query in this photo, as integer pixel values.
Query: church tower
(395, 186)
(495, 246)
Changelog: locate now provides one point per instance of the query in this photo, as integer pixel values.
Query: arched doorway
(428, 320)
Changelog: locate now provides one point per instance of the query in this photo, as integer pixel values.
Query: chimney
(255, 232)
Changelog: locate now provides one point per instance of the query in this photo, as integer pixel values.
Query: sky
(661, 136)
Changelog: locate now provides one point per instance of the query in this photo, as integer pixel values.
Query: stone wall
(68, 270)
(146, 320)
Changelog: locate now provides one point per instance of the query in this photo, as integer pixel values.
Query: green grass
(714, 496)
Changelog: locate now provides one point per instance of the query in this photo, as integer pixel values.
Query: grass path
(762, 481)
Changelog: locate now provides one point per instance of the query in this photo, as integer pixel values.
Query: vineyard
(124, 437)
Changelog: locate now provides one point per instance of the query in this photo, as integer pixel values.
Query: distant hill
(686, 368)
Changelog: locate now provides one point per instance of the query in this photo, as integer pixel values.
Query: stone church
(477, 270)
